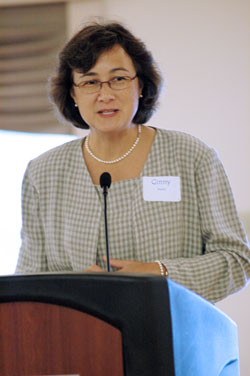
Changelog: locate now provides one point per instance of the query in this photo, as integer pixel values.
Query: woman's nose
(105, 93)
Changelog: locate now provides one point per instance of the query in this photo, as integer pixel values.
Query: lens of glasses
(120, 83)
(93, 88)
(117, 83)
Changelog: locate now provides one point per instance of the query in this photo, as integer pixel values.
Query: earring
(141, 96)
(76, 105)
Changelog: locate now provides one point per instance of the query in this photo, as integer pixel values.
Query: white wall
(16, 150)
(202, 48)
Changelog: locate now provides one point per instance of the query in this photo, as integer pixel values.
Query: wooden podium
(110, 324)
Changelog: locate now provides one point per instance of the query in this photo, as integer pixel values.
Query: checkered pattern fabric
(199, 239)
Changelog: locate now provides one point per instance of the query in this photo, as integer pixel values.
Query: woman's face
(108, 110)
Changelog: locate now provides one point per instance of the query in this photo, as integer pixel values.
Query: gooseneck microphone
(105, 182)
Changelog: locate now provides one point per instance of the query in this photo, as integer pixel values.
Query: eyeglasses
(115, 83)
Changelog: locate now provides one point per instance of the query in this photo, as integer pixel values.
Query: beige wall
(202, 48)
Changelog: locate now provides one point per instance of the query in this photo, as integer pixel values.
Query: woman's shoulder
(59, 157)
(181, 139)
(184, 147)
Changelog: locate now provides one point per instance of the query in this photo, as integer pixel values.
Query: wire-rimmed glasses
(115, 83)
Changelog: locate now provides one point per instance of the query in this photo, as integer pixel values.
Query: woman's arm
(224, 266)
(32, 256)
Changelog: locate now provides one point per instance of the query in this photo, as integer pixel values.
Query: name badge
(162, 188)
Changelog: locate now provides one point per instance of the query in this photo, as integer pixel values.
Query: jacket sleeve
(224, 264)
(32, 256)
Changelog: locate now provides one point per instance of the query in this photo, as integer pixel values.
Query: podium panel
(47, 339)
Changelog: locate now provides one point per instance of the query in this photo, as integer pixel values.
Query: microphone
(105, 182)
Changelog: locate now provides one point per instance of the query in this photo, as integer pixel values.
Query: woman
(170, 206)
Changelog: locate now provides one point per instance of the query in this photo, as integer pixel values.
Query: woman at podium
(170, 208)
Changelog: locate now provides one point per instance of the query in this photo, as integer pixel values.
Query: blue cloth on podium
(205, 340)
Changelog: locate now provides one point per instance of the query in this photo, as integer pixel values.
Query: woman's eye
(90, 83)
(118, 79)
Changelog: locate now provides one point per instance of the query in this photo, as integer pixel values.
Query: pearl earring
(76, 105)
(141, 96)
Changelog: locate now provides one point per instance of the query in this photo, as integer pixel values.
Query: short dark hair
(83, 51)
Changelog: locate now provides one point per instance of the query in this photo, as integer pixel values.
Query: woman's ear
(72, 94)
(141, 86)
(140, 92)
(72, 90)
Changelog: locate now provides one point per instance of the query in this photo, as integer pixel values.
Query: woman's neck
(111, 145)
(129, 167)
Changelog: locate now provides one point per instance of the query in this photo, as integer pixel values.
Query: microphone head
(105, 180)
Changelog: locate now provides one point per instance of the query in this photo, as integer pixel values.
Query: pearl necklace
(118, 159)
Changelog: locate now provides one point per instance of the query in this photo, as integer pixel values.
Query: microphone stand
(105, 182)
(105, 192)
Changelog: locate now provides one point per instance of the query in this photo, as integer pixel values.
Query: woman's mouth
(108, 112)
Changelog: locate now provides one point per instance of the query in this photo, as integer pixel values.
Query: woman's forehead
(110, 61)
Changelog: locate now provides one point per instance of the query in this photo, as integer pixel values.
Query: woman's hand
(129, 266)
(94, 268)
